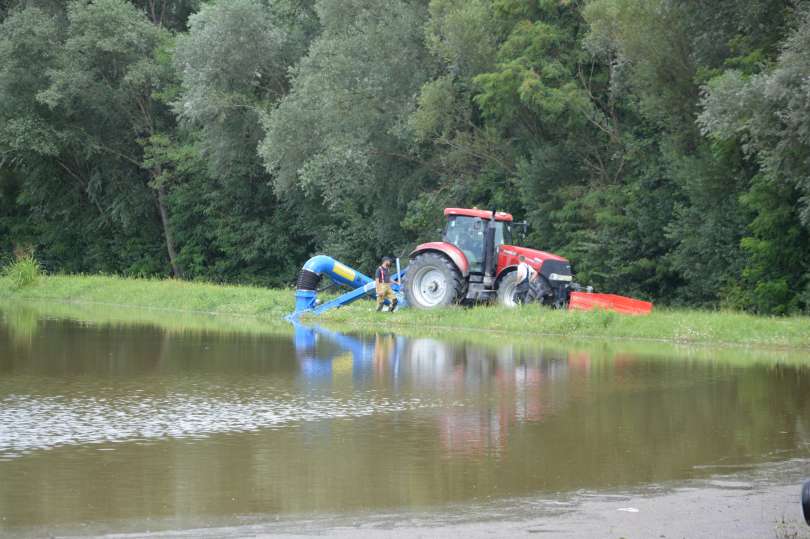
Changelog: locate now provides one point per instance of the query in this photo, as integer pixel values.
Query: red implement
(585, 301)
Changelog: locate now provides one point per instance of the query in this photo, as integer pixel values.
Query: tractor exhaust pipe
(489, 252)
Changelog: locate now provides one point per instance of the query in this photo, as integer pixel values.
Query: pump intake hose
(308, 280)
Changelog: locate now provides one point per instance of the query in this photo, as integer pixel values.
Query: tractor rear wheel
(432, 281)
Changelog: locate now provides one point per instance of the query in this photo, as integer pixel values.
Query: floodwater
(119, 428)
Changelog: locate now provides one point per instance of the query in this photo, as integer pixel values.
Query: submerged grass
(23, 317)
(169, 297)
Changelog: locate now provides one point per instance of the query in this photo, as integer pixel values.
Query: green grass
(170, 295)
(257, 308)
(678, 326)
(22, 272)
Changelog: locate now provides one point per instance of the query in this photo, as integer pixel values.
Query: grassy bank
(24, 320)
(678, 326)
(169, 295)
(269, 306)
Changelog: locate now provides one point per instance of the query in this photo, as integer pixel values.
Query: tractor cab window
(503, 233)
(467, 233)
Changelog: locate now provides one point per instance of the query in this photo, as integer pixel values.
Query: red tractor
(476, 261)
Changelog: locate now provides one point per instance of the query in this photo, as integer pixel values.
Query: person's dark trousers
(521, 291)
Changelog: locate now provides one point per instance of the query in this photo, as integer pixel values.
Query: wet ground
(142, 430)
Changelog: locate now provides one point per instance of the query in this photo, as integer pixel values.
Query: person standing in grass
(382, 280)
(526, 275)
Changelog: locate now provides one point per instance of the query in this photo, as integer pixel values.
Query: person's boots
(393, 306)
(379, 306)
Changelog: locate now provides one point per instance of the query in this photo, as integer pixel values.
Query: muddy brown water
(111, 428)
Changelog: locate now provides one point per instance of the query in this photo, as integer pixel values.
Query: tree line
(662, 145)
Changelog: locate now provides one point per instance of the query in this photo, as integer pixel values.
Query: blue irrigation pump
(360, 285)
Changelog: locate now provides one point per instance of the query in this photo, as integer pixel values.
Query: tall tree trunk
(167, 232)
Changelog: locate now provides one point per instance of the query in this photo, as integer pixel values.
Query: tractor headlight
(558, 277)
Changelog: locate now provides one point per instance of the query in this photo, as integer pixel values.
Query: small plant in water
(24, 271)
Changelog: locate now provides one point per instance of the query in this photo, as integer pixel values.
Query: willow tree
(84, 98)
(233, 64)
(339, 136)
(767, 114)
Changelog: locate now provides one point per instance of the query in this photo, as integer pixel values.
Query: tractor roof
(483, 214)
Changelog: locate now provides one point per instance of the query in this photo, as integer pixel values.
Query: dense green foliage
(662, 145)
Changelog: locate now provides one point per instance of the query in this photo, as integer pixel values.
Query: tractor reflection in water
(524, 389)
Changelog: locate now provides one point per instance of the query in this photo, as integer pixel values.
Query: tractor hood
(533, 256)
(556, 269)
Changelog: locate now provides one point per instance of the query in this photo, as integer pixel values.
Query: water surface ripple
(29, 422)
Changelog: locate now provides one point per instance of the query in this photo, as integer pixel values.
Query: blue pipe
(340, 273)
(314, 269)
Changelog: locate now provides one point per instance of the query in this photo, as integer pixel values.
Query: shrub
(24, 271)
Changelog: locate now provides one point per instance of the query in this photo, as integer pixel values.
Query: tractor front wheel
(432, 281)
(539, 290)
(506, 289)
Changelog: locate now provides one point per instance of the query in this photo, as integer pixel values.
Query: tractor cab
(466, 229)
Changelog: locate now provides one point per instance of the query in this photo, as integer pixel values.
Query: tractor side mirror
(522, 229)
